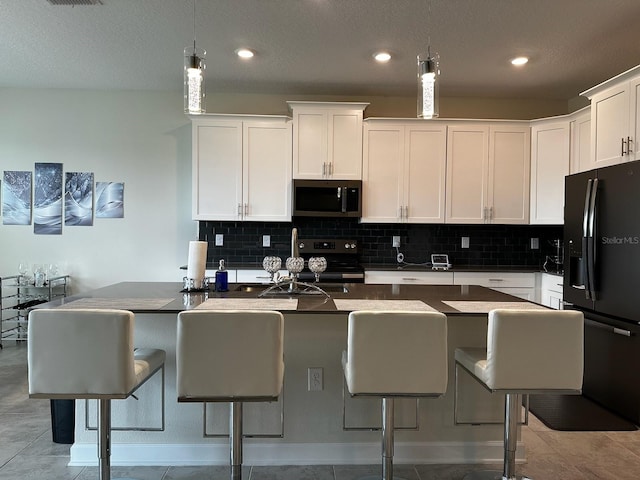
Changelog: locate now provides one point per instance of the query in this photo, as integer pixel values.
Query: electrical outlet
(465, 242)
(266, 240)
(219, 239)
(535, 244)
(396, 241)
(315, 381)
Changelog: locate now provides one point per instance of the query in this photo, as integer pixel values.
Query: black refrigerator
(602, 279)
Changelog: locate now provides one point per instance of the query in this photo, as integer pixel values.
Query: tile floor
(27, 452)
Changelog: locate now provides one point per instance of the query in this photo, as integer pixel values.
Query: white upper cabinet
(581, 141)
(404, 172)
(549, 166)
(615, 119)
(241, 168)
(327, 140)
(488, 173)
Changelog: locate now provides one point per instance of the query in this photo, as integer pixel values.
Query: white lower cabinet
(551, 290)
(518, 284)
(408, 277)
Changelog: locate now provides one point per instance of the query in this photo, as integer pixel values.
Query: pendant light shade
(194, 91)
(428, 86)
(194, 66)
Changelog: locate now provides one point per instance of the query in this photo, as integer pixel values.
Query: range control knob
(353, 245)
(346, 245)
(301, 245)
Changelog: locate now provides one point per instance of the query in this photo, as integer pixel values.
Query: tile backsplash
(489, 245)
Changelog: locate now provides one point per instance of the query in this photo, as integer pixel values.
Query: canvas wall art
(78, 199)
(16, 198)
(47, 199)
(109, 200)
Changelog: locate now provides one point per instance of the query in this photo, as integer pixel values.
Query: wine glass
(272, 265)
(317, 265)
(23, 268)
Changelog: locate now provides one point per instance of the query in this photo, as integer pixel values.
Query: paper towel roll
(197, 260)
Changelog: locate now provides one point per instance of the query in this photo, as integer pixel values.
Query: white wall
(140, 138)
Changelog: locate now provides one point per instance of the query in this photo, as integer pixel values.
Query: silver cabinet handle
(409, 279)
(629, 151)
(490, 213)
(324, 169)
(406, 212)
(620, 331)
(239, 209)
(622, 151)
(496, 279)
(246, 209)
(400, 212)
(331, 169)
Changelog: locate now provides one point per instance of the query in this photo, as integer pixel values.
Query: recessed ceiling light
(518, 61)
(382, 57)
(244, 53)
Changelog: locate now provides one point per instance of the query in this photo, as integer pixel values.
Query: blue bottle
(222, 278)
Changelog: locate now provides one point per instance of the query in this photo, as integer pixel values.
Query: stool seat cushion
(85, 353)
(146, 361)
(474, 360)
(229, 354)
(396, 353)
(529, 350)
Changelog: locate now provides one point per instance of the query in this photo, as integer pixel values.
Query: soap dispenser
(222, 278)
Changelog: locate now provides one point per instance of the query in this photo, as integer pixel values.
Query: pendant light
(429, 81)
(194, 66)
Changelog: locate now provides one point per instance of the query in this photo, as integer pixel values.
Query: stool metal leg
(104, 438)
(235, 440)
(512, 407)
(387, 438)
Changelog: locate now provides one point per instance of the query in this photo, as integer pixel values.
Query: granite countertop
(167, 297)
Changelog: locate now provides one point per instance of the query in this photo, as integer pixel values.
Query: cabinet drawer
(552, 283)
(496, 279)
(407, 278)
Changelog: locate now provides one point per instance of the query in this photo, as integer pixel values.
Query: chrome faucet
(295, 252)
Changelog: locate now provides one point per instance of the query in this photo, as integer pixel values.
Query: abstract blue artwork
(47, 199)
(16, 198)
(78, 199)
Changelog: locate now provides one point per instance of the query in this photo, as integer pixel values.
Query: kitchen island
(315, 336)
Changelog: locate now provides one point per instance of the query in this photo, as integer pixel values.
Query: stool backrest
(229, 353)
(535, 349)
(80, 353)
(397, 352)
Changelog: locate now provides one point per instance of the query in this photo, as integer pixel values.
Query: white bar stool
(528, 352)
(230, 356)
(395, 354)
(89, 354)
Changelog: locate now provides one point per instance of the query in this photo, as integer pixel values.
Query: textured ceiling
(322, 46)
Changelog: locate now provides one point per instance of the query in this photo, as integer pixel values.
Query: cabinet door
(382, 173)
(345, 146)
(634, 89)
(581, 160)
(310, 144)
(609, 126)
(425, 173)
(509, 166)
(549, 166)
(467, 158)
(267, 171)
(217, 170)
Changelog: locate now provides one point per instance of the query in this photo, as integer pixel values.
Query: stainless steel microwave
(327, 198)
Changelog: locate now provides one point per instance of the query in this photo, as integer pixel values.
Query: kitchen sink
(259, 288)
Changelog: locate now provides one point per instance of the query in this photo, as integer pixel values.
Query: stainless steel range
(343, 264)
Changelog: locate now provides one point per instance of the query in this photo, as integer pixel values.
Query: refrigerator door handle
(585, 243)
(591, 239)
